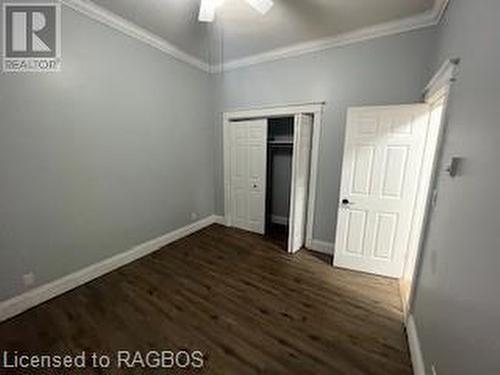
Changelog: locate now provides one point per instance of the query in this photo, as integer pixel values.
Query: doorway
(387, 188)
(279, 179)
(270, 171)
(426, 194)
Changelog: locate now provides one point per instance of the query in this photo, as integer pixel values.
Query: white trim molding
(98, 13)
(419, 21)
(34, 297)
(444, 77)
(218, 219)
(439, 9)
(435, 93)
(417, 358)
(273, 111)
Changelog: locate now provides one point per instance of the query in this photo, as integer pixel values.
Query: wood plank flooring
(241, 300)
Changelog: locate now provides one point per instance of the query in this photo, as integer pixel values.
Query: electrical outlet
(194, 216)
(29, 279)
(433, 370)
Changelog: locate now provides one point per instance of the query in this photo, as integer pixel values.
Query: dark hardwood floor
(277, 234)
(245, 303)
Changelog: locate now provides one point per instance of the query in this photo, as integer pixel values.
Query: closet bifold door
(301, 160)
(248, 174)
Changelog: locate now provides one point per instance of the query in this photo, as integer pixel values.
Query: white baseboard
(274, 218)
(34, 297)
(417, 359)
(219, 220)
(279, 219)
(321, 247)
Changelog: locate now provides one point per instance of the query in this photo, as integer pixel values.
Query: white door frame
(437, 89)
(315, 109)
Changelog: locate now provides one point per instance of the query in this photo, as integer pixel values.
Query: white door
(380, 173)
(303, 125)
(248, 174)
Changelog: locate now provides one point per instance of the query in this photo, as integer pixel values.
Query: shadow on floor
(325, 258)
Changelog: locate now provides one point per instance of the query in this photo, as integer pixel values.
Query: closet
(268, 167)
(279, 178)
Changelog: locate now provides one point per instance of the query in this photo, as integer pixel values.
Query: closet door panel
(257, 193)
(248, 174)
(239, 202)
(300, 181)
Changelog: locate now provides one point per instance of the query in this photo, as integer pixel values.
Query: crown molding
(98, 13)
(420, 21)
(439, 9)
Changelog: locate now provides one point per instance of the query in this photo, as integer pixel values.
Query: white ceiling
(239, 31)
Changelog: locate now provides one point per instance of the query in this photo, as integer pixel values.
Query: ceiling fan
(208, 7)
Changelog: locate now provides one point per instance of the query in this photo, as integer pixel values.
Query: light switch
(454, 166)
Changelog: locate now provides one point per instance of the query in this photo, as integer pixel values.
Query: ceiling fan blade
(262, 6)
(207, 10)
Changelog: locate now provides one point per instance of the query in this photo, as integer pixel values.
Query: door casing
(315, 109)
(438, 88)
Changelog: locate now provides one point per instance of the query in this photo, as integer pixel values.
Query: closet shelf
(280, 143)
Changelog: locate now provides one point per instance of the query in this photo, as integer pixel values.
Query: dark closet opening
(279, 179)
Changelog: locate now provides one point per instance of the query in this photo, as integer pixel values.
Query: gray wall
(115, 150)
(457, 306)
(388, 70)
(109, 153)
(281, 183)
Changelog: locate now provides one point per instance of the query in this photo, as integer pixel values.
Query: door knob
(345, 201)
